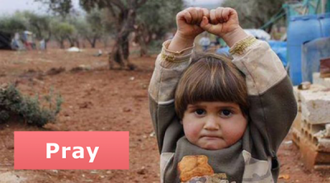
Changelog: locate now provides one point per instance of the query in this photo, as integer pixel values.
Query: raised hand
(188, 27)
(224, 23)
(188, 22)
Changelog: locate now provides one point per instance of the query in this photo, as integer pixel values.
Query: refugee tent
(5, 41)
(258, 33)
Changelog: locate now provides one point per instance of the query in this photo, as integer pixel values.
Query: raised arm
(170, 64)
(272, 104)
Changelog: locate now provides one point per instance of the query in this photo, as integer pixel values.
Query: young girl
(219, 119)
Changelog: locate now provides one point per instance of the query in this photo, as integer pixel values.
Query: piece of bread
(194, 166)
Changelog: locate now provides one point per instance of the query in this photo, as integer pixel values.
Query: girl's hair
(211, 78)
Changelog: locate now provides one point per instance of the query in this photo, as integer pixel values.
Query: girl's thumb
(205, 24)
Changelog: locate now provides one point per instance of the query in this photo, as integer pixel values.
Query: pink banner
(71, 150)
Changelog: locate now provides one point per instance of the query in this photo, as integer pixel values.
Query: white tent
(258, 33)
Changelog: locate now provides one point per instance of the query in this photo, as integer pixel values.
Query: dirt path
(98, 99)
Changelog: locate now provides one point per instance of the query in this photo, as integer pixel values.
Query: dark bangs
(211, 79)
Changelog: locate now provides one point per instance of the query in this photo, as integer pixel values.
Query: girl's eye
(200, 112)
(226, 113)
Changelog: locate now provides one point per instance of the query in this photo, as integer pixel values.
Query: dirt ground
(98, 99)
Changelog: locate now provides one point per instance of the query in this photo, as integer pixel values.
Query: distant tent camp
(5, 41)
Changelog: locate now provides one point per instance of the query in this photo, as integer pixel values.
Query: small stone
(55, 171)
(304, 85)
(126, 109)
(284, 176)
(142, 171)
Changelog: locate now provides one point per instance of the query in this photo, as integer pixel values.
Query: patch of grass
(28, 109)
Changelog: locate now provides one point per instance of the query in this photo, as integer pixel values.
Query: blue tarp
(279, 47)
(223, 51)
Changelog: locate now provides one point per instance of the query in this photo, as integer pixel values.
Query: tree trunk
(94, 42)
(143, 48)
(46, 41)
(140, 38)
(269, 28)
(105, 42)
(120, 51)
(71, 41)
(61, 44)
(77, 42)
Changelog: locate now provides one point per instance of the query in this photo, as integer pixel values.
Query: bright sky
(10, 6)
(202, 1)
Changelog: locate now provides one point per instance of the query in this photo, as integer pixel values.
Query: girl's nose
(211, 123)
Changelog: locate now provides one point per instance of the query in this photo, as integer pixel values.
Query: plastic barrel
(303, 29)
(325, 24)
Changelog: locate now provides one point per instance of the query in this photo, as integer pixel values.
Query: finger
(194, 15)
(226, 14)
(218, 15)
(200, 15)
(185, 16)
(206, 12)
(232, 14)
(205, 24)
(212, 17)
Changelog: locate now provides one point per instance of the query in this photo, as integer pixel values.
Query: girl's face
(214, 125)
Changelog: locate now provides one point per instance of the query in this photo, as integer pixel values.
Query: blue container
(325, 24)
(303, 29)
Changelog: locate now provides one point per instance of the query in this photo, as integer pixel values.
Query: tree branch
(116, 16)
(119, 4)
(140, 3)
(248, 18)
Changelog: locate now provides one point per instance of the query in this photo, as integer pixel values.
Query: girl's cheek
(192, 126)
(194, 130)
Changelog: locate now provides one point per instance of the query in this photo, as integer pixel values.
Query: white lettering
(49, 151)
(81, 152)
(78, 152)
(64, 149)
(91, 154)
